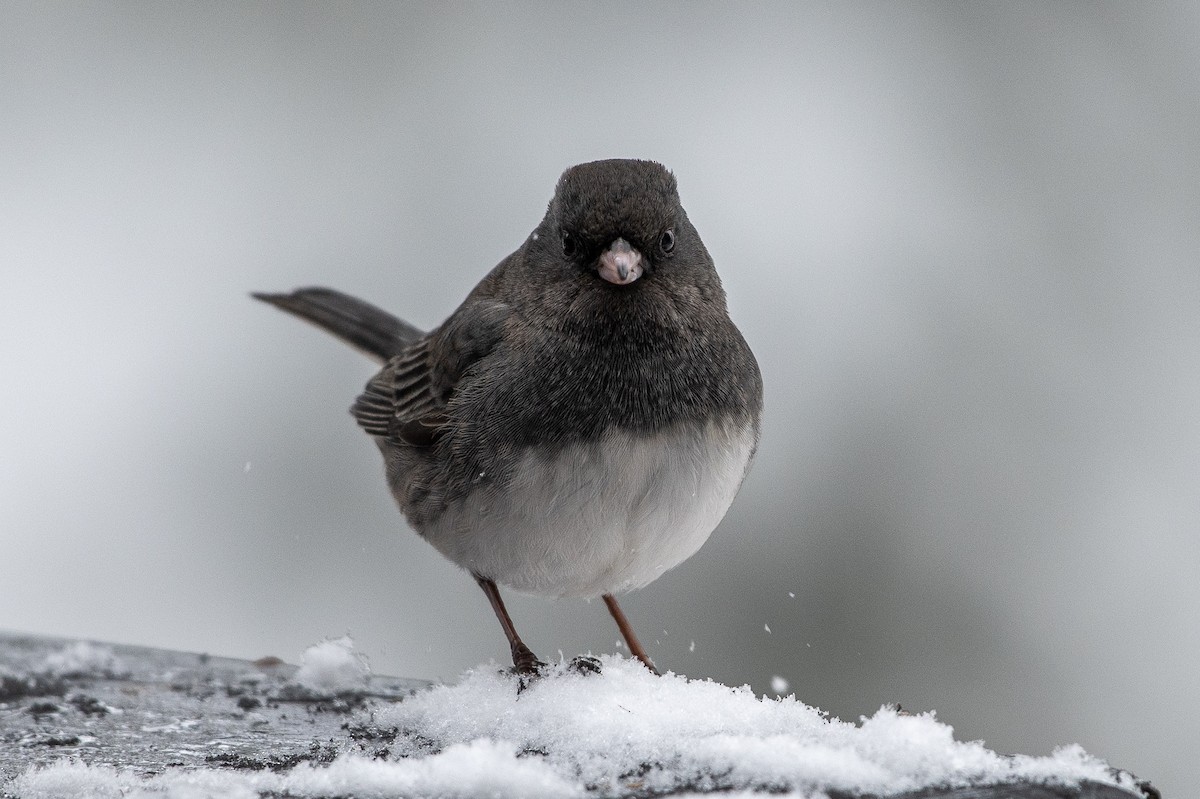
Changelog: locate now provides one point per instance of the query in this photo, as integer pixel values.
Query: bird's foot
(526, 666)
(528, 675)
(648, 663)
(584, 664)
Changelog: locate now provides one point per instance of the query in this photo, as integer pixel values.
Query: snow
(573, 734)
(332, 667)
(675, 733)
(479, 769)
(83, 657)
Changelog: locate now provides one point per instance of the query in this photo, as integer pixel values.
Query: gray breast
(598, 517)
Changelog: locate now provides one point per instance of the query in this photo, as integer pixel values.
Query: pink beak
(620, 264)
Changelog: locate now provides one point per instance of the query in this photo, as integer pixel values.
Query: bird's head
(618, 220)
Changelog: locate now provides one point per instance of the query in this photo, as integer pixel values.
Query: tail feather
(360, 324)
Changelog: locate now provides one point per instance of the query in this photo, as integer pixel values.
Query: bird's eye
(667, 242)
(569, 245)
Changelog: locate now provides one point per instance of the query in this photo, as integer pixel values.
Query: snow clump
(332, 667)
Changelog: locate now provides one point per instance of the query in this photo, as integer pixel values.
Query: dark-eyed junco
(584, 419)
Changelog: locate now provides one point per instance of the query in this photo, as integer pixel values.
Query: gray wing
(407, 401)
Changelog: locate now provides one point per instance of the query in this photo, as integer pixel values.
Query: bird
(581, 423)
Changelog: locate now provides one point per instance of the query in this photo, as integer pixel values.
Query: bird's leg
(524, 661)
(635, 646)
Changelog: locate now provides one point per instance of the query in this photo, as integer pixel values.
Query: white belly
(602, 517)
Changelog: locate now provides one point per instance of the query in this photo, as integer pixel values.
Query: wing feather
(407, 401)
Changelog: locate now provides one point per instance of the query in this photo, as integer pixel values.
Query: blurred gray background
(962, 239)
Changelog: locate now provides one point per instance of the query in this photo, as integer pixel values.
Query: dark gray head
(617, 225)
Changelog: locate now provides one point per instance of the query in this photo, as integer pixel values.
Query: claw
(584, 664)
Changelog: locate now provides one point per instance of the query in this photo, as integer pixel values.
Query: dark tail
(360, 324)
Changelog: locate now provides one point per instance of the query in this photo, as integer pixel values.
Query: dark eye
(569, 245)
(667, 242)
